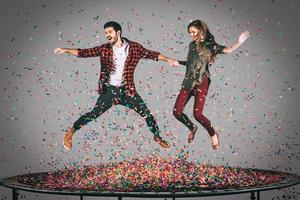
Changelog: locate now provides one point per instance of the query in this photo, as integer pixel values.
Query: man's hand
(173, 63)
(59, 50)
(73, 52)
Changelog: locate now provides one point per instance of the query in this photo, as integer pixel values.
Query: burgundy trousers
(199, 92)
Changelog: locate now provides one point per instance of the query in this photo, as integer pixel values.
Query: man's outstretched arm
(83, 53)
(155, 55)
(171, 62)
(73, 52)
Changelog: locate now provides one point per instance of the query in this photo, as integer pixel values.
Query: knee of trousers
(199, 117)
(92, 115)
(177, 113)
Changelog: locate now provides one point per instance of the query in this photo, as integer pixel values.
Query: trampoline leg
(173, 198)
(81, 197)
(252, 197)
(258, 195)
(15, 194)
(119, 198)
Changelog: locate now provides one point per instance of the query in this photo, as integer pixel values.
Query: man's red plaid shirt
(105, 51)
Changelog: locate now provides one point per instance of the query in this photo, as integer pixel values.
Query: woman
(202, 52)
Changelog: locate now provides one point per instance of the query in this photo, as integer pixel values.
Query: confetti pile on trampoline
(152, 173)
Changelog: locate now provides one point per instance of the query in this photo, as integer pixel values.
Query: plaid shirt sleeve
(89, 52)
(148, 54)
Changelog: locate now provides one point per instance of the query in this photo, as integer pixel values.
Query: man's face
(111, 35)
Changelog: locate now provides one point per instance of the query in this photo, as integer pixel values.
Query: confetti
(152, 173)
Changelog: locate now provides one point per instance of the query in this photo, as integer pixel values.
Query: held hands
(243, 37)
(59, 50)
(173, 63)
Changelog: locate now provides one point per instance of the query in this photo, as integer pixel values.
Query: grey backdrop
(252, 101)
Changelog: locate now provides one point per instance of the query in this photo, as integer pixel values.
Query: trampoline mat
(155, 174)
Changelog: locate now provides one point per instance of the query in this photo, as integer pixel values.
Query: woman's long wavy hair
(202, 46)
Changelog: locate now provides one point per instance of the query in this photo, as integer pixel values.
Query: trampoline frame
(12, 183)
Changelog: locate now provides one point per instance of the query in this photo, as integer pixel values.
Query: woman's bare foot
(215, 141)
(192, 134)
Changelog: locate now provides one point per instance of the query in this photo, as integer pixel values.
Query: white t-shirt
(119, 57)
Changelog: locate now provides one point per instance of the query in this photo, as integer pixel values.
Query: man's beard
(113, 40)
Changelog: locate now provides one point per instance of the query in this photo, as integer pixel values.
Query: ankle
(157, 137)
(213, 135)
(71, 131)
(193, 128)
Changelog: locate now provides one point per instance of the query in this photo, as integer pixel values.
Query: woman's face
(196, 34)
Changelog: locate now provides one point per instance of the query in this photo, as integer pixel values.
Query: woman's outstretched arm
(241, 40)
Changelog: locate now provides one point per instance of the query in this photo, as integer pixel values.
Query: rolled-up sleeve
(148, 54)
(182, 62)
(89, 52)
(216, 48)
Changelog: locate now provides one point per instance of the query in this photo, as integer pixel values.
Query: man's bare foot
(161, 142)
(215, 141)
(68, 138)
(192, 134)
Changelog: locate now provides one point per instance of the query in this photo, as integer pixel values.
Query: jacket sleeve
(182, 62)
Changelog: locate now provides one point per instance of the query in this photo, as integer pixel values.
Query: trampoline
(152, 178)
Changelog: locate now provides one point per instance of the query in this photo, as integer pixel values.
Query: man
(119, 58)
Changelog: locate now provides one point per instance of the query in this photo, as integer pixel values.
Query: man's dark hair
(116, 26)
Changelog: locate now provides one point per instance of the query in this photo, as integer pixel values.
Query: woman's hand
(173, 63)
(243, 37)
